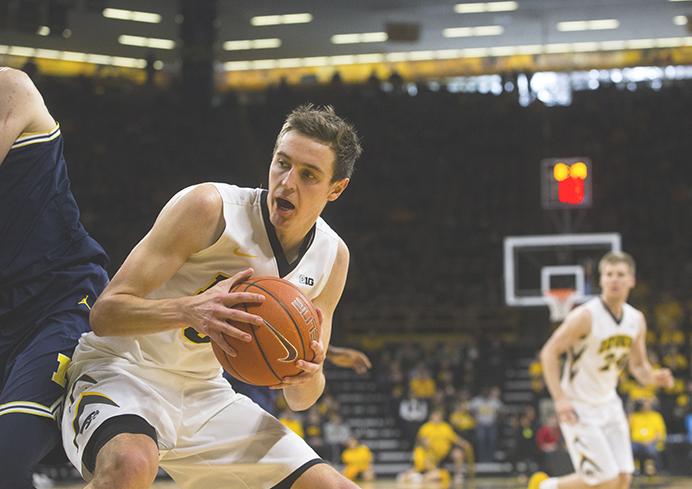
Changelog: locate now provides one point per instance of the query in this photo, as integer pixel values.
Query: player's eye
(309, 176)
(282, 163)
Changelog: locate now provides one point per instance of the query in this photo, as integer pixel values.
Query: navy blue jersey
(45, 252)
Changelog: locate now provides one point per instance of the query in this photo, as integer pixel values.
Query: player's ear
(337, 188)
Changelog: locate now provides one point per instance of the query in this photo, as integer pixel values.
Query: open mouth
(284, 204)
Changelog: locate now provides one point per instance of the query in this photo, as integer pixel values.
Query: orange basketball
(290, 324)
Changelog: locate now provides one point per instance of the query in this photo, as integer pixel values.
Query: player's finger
(220, 340)
(366, 360)
(238, 316)
(307, 367)
(320, 316)
(234, 298)
(230, 330)
(319, 351)
(236, 279)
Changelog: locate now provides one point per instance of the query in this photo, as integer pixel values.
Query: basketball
(290, 324)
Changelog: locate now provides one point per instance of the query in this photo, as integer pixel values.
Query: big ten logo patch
(190, 333)
(305, 280)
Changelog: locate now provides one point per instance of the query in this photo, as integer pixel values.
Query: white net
(560, 302)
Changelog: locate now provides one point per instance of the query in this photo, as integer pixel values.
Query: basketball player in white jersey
(601, 337)
(145, 389)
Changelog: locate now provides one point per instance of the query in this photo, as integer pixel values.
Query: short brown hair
(614, 257)
(322, 124)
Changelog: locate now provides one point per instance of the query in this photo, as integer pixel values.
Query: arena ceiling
(528, 22)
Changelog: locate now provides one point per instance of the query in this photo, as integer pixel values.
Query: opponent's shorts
(32, 372)
(208, 435)
(599, 443)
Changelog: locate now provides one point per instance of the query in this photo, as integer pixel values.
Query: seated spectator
(421, 383)
(444, 444)
(648, 432)
(425, 468)
(313, 431)
(357, 459)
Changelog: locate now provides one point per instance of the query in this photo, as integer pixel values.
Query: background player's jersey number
(191, 333)
(611, 359)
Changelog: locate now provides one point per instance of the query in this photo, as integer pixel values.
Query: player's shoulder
(12, 77)
(20, 88)
(326, 231)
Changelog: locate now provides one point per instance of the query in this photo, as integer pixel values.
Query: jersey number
(59, 375)
(191, 333)
(619, 362)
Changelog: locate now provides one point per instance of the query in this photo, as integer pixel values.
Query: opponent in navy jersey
(51, 271)
(601, 338)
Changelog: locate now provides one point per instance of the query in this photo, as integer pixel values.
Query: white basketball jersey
(249, 240)
(594, 363)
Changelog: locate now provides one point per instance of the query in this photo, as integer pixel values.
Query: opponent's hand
(309, 369)
(212, 312)
(663, 378)
(565, 411)
(349, 358)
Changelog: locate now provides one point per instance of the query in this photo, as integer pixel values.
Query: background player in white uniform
(601, 337)
(145, 389)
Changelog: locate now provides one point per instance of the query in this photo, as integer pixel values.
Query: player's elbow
(98, 318)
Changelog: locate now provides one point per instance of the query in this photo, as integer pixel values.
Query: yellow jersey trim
(27, 138)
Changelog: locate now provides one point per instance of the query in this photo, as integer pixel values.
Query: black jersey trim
(281, 261)
(288, 482)
(605, 306)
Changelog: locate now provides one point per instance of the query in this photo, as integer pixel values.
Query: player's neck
(291, 243)
(614, 304)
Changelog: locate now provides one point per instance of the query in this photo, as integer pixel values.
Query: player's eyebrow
(309, 165)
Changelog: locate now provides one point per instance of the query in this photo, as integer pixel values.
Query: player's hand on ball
(310, 369)
(212, 312)
(565, 411)
(663, 378)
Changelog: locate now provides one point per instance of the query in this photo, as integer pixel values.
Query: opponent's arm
(302, 391)
(21, 109)
(576, 325)
(186, 225)
(349, 358)
(639, 365)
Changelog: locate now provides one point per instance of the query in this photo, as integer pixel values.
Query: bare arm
(21, 109)
(639, 365)
(185, 226)
(302, 391)
(576, 326)
(349, 358)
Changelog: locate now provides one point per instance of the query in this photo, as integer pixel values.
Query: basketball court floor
(484, 483)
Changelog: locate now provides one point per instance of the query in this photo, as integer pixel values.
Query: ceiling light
(252, 44)
(588, 25)
(43, 30)
(146, 42)
(263, 20)
(359, 38)
(483, 30)
(680, 20)
(133, 15)
(475, 8)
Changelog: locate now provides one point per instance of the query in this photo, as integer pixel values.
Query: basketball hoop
(560, 302)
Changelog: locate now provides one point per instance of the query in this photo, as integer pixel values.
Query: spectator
(336, 433)
(486, 410)
(413, 412)
(357, 459)
(648, 432)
